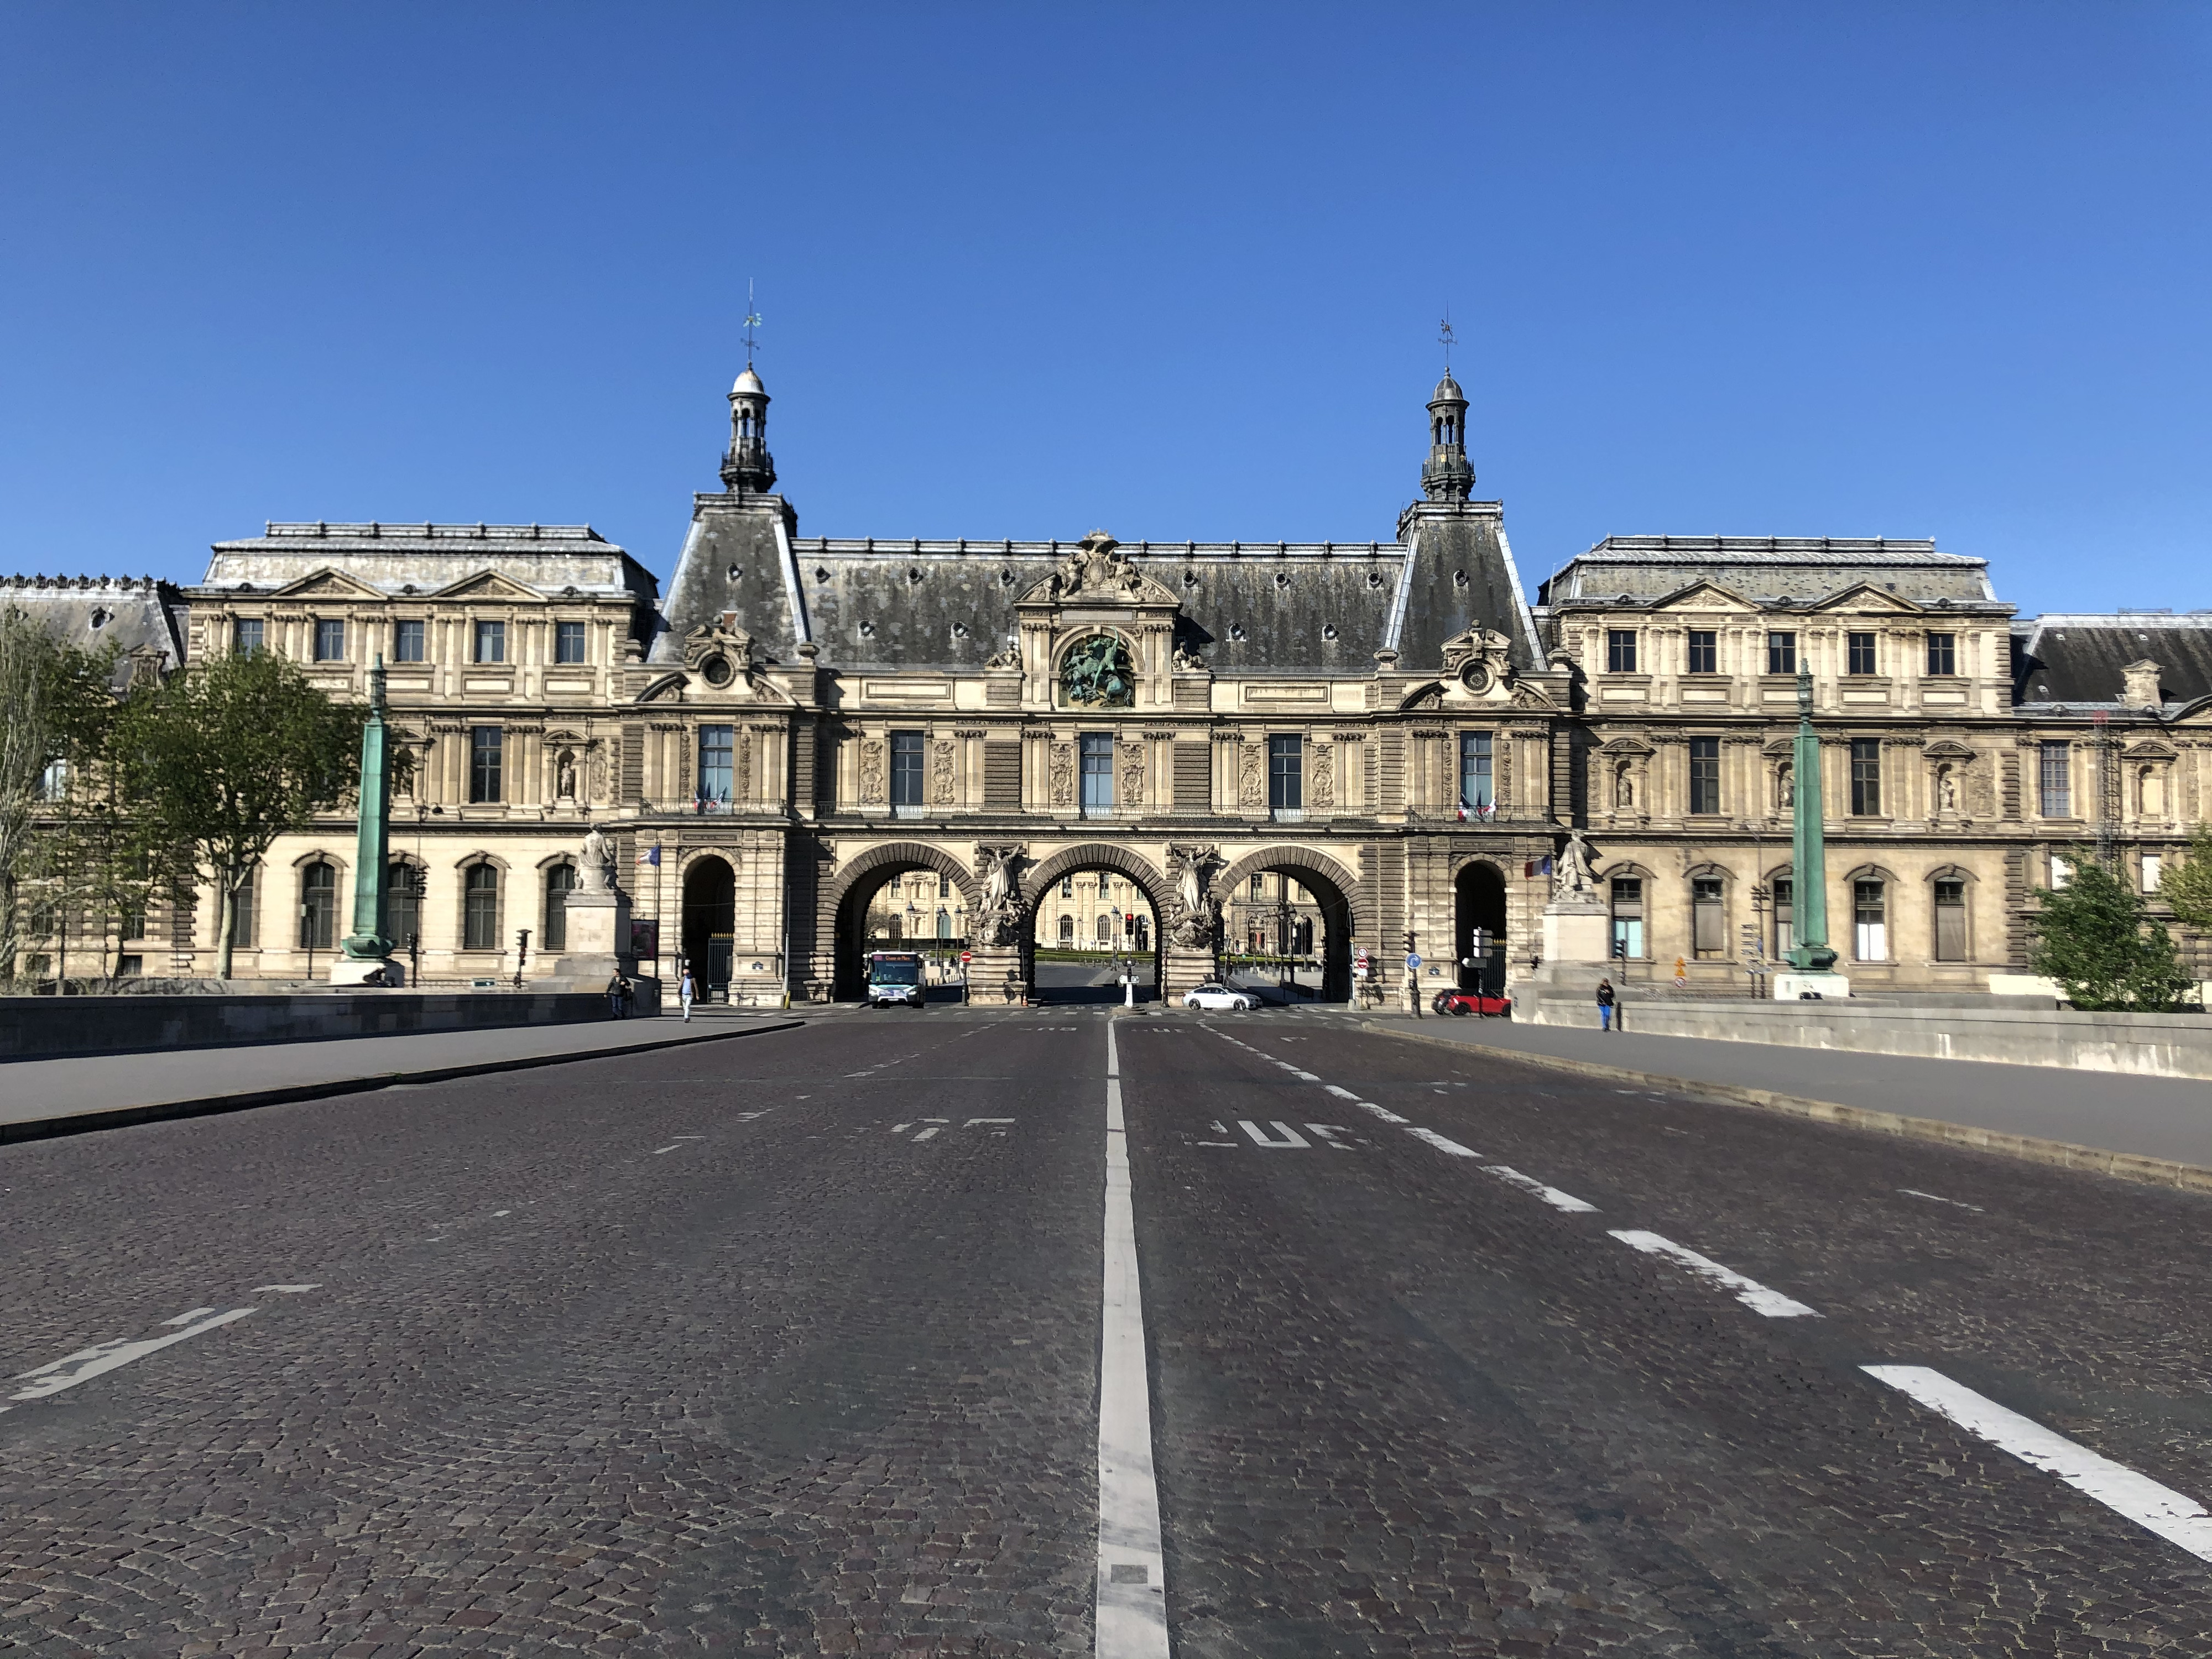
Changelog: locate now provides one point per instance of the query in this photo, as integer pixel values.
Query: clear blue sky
(1853, 270)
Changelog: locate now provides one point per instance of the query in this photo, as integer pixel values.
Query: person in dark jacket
(1605, 1005)
(615, 996)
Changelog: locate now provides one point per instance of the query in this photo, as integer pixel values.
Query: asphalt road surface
(792, 1344)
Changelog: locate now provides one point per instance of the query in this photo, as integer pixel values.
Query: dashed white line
(1936, 1197)
(296, 1290)
(1382, 1112)
(1551, 1196)
(1749, 1292)
(2177, 1519)
(1441, 1142)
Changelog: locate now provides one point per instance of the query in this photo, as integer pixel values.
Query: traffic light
(1408, 938)
(1128, 921)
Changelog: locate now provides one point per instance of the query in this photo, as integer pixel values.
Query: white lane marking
(1439, 1142)
(187, 1318)
(1304, 1076)
(1749, 1292)
(973, 1121)
(1290, 1137)
(1551, 1196)
(658, 1151)
(2177, 1519)
(1387, 1116)
(1132, 1617)
(1340, 1093)
(1326, 1133)
(88, 1363)
(1934, 1198)
(1217, 1143)
(925, 1134)
(901, 1128)
(690, 1137)
(296, 1290)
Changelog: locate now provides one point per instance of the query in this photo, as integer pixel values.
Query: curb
(123, 1117)
(2033, 1149)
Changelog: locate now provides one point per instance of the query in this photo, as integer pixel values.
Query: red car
(1471, 1002)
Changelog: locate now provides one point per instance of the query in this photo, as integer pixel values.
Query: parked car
(1472, 1002)
(1214, 995)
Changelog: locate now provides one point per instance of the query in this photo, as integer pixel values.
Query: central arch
(843, 911)
(1039, 881)
(1347, 910)
(1478, 902)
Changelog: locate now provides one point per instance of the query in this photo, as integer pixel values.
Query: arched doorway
(906, 897)
(710, 922)
(1288, 925)
(1091, 916)
(1479, 902)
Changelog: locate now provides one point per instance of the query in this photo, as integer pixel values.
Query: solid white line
(2177, 1519)
(299, 1290)
(87, 1364)
(658, 1151)
(1749, 1292)
(1440, 1143)
(187, 1318)
(1936, 1197)
(1131, 1620)
(1551, 1196)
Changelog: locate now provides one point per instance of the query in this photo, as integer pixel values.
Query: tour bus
(895, 976)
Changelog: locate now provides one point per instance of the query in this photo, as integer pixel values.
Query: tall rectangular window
(403, 903)
(1097, 767)
(906, 772)
(1477, 787)
(1866, 777)
(1704, 651)
(245, 635)
(1782, 653)
(1785, 917)
(1950, 920)
(407, 641)
(1286, 772)
(1627, 916)
(717, 752)
(318, 905)
(1861, 646)
(2056, 778)
(1704, 775)
(1942, 653)
(1708, 917)
(487, 759)
(568, 641)
(480, 908)
(330, 639)
(1621, 651)
(2154, 863)
(491, 641)
(1871, 922)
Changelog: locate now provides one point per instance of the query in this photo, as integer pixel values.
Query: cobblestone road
(788, 1344)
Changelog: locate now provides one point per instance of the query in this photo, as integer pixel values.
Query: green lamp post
(368, 942)
(1808, 852)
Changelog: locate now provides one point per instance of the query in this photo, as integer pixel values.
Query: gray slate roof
(1768, 568)
(129, 612)
(423, 557)
(2078, 659)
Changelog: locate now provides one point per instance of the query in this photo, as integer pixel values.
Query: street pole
(521, 954)
(372, 841)
(1808, 854)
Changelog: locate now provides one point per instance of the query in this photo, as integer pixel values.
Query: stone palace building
(1396, 734)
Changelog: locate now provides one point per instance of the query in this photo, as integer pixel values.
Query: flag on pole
(651, 855)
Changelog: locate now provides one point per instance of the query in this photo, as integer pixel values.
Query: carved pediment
(1098, 572)
(487, 585)
(1864, 596)
(1706, 596)
(2149, 749)
(1622, 747)
(328, 584)
(1949, 749)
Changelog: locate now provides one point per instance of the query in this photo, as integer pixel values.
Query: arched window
(1870, 918)
(403, 903)
(480, 907)
(318, 905)
(1948, 891)
(1708, 917)
(1105, 928)
(1067, 930)
(559, 882)
(1782, 887)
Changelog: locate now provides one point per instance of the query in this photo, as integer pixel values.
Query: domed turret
(748, 465)
(1447, 475)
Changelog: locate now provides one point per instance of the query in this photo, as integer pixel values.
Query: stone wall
(2144, 1045)
(42, 1028)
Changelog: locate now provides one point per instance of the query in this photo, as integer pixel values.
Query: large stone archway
(841, 911)
(1347, 906)
(1037, 881)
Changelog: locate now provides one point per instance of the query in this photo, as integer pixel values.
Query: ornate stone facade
(1389, 726)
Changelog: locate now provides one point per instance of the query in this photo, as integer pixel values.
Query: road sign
(967, 955)
(1412, 960)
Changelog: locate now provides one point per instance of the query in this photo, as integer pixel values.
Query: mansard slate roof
(2079, 659)
(1770, 569)
(135, 614)
(425, 557)
(1248, 607)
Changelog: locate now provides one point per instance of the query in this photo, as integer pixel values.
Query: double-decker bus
(895, 976)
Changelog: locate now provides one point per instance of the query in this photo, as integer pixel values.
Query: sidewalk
(42, 1097)
(2155, 1129)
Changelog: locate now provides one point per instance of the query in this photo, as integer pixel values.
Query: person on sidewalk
(628, 993)
(1605, 1005)
(615, 996)
(685, 990)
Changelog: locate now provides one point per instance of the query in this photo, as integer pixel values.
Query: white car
(1212, 995)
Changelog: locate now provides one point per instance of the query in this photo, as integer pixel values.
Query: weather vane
(752, 322)
(1444, 335)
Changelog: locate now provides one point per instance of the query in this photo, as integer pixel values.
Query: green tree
(55, 706)
(2187, 889)
(227, 757)
(2096, 938)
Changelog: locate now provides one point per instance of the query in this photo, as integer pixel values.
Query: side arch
(1347, 906)
(841, 901)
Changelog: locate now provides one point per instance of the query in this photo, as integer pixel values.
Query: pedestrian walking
(1605, 1005)
(685, 990)
(614, 996)
(628, 993)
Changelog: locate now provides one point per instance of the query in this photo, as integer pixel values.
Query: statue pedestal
(598, 937)
(1183, 968)
(1575, 929)
(994, 977)
(379, 971)
(1793, 987)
